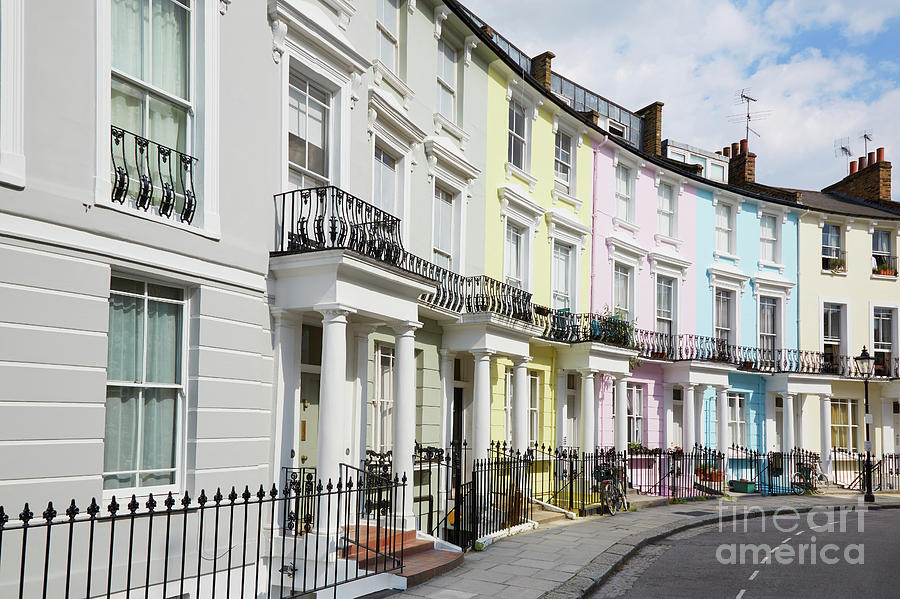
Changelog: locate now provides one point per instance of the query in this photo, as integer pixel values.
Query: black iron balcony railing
(598, 328)
(884, 265)
(324, 218)
(152, 175)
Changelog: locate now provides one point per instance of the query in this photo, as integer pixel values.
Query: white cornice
(387, 120)
(726, 276)
(447, 164)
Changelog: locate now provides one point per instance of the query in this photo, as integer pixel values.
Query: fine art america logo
(815, 537)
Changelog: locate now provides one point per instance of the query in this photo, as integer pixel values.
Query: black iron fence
(304, 537)
(676, 473)
(773, 473)
(573, 480)
(442, 498)
(152, 175)
(848, 470)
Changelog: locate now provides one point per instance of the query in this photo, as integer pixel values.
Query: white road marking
(741, 594)
(752, 576)
(787, 540)
(799, 532)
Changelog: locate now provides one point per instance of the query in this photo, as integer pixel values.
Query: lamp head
(865, 363)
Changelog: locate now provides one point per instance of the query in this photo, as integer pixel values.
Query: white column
(787, 426)
(669, 411)
(588, 422)
(404, 417)
(687, 417)
(287, 386)
(825, 406)
(481, 436)
(722, 436)
(562, 407)
(521, 401)
(887, 425)
(361, 410)
(800, 422)
(699, 401)
(621, 423)
(447, 361)
(333, 409)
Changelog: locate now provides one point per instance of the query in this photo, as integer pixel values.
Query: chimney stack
(651, 131)
(869, 179)
(742, 166)
(540, 67)
(727, 151)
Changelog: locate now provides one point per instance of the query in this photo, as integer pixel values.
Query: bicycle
(611, 496)
(810, 477)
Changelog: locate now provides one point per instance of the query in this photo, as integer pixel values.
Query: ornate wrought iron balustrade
(151, 175)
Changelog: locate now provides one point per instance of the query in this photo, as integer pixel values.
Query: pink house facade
(643, 269)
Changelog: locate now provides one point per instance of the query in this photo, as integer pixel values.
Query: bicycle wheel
(613, 505)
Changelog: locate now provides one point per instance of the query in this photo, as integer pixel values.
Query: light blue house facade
(746, 304)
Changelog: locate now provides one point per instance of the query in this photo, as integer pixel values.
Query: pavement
(568, 559)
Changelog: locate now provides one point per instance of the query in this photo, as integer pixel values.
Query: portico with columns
(340, 299)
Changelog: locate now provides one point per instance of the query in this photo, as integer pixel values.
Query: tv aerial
(866, 136)
(743, 96)
(842, 149)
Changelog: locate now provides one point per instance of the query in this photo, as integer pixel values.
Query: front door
(779, 428)
(572, 411)
(309, 420)
(677, 423)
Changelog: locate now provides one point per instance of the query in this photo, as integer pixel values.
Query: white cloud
(694, 56)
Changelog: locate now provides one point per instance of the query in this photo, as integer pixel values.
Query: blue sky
(825, 69)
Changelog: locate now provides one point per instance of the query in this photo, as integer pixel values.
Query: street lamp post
(865, 363)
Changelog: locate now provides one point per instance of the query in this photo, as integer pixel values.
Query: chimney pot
(727, 151)
(852, 167)
(734, 149)
(871, 159)
(879, 155)
(862, 162)
(743, 146)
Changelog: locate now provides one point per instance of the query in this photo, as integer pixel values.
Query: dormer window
(616, 129)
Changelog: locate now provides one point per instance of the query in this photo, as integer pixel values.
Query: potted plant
(709, 473)
(836, 265)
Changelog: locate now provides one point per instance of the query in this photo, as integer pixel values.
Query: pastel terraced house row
(508, 256)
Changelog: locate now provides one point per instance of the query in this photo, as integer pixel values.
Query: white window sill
(512, 169)
(562, 196)
(153, 216)
(766, 263)
(727, 255)
(839, 273)
(619, 223)
(660, 239)
(885, 277)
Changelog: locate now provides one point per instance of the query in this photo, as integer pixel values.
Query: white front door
(677, 424)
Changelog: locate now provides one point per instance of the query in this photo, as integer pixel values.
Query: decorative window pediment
(724, 275)
(517, 204)
(387, 121)
(625, 250)
(563, 227)
(448, 164)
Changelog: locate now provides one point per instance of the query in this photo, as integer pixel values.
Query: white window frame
(627, 253)
(731, 279)
(880, 347)
(635, 412)
(448, 253)
(398, 175)
(776, 259)
(534, 407)
(730, 230)
(509, 276)
(672, 319)
(382, 30)
(558, 249)
(563, 228)
(832, 251)
(842, 340)
(519, 210)
(382, 416)
(629, 222)
(329, 113)
(524, 138)
(775, 335)
(566, 187)
(890, 255)
(204, 134)
(448, 86)
(731, 332)
(851, 406)
(737, 418)
(629, 270)
(181, 388)
(12, 96)
(670, 212)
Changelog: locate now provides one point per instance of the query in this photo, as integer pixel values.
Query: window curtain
(171, 43)
(126, 339)
(163, 342)
(158, 436)
(120, 438)
(881, 242)
(129, 19)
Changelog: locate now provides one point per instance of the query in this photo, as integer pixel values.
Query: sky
(820, 69)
